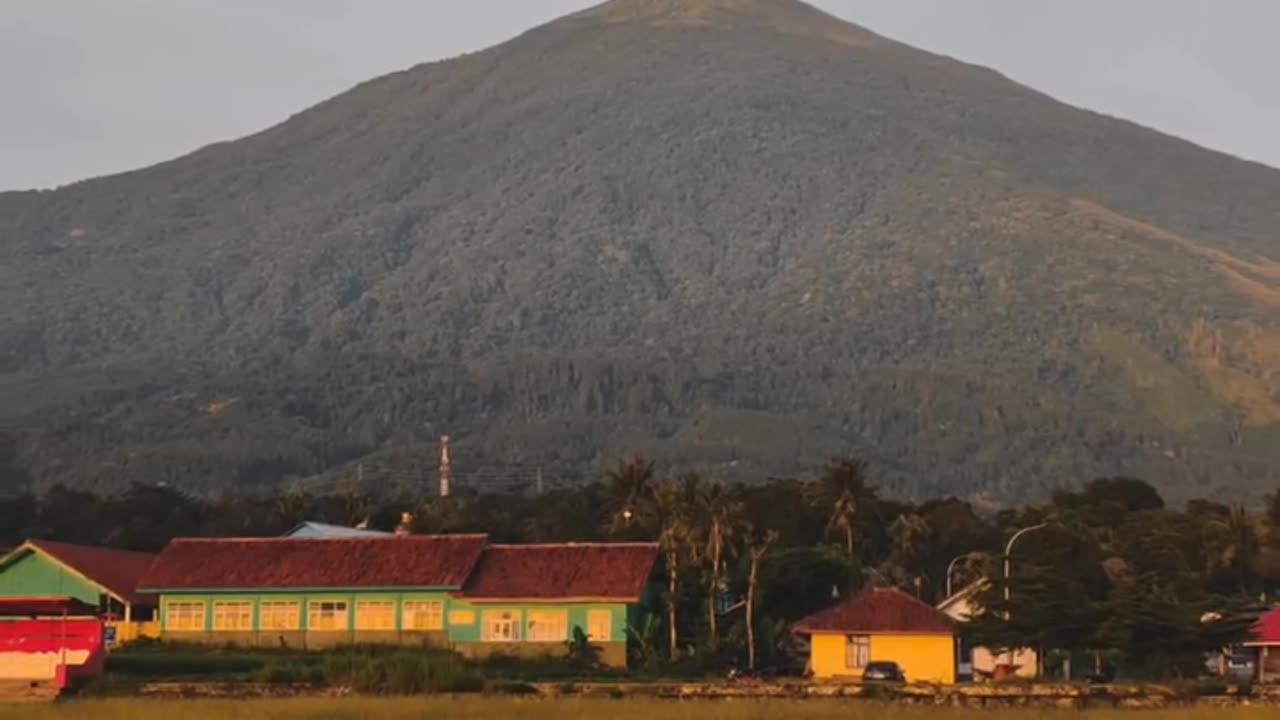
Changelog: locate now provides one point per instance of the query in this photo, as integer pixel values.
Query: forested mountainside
(741, 235)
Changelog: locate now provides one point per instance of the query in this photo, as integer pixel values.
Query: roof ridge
(388, 537)
(590, 543)
(47, 544)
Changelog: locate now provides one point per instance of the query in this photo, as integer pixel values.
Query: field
(501, 709)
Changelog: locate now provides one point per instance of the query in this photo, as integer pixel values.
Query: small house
(978, 662)
(881, 625)
(103, 578)
(454, 591)
(50, 642)
(312, 529)
(1265, 640)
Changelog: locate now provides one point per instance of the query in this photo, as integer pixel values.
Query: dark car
(883, 672)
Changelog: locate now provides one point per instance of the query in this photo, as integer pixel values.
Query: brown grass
(502, 709)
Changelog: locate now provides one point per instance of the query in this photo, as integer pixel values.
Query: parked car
(883, 672)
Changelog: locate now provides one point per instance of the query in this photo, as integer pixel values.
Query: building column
(1262, 664)
(128, 612)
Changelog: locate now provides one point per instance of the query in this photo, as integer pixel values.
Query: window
(599, 625)
(857, 651)
(229, 615)
(423, 615)
(279, 615)
(501, 626)
(548, 626)
(327, 615)
(375, 615)
(184, 616)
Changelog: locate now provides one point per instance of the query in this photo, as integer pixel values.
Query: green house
(450, 590)
(100, 577)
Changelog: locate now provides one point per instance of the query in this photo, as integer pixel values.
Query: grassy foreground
(502, 709)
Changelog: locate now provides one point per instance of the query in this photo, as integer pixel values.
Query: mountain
(739, 235)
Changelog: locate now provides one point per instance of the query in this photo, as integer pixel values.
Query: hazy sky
(89, 87)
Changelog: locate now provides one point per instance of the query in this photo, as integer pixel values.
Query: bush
(402, 673)
(157, 665)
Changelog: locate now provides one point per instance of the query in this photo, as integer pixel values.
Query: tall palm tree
(721, 514)
(845, 483)
(674, 509)
(1239, 544)
(631, 483)
(759, 548)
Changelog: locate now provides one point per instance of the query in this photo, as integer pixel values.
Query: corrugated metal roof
(311, 529)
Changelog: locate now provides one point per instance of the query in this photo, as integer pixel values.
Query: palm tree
(845, 480)
(1239, 544)
(759, 548)
(631, 482)
(721, 514)
(673, 505)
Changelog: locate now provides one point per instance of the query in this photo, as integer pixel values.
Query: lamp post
(951, 567)
(1008, 550)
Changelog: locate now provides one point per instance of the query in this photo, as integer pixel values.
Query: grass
(501, 709)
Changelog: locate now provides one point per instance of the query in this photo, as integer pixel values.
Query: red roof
(417, 561)
(572, 571)
(882, 610)
(116, 571)
(1267, 629)
(46, 607)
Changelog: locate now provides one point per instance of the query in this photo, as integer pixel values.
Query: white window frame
(422, 614)
(501, 626)
(857, 651)
(375, 614)
(335, 615)
(600, 625)
(185, 615)
(233, 615)
(547, 626)
(277, 615)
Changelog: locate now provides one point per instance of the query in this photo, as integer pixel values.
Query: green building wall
(34, 575)
(467, 638)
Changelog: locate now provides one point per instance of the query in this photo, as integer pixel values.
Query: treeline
(1109, 573)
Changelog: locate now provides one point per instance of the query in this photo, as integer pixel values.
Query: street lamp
(951, 566)
(1008, 550)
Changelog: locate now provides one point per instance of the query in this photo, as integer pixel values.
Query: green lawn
(506, 708)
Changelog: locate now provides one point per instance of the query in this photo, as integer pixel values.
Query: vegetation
(1111, 573)
(741, 239)
(500, 709)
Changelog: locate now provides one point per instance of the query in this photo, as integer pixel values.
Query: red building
(1266, 640)
(53, 641)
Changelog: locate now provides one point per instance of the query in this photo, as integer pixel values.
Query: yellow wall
(924, 658)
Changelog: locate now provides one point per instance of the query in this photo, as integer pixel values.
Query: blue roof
(324, 530)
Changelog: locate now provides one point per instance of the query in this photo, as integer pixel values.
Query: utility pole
(1008, 551)
(446, 469)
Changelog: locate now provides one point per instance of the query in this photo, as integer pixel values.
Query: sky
(92, 87)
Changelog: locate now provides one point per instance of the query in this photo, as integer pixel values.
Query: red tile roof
(882, 610)
(1267, 629)
(116, 571)
(616, 572)
(417, 561)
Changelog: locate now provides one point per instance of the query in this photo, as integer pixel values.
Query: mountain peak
(792, 17)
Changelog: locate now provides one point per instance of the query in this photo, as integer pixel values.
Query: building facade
(881, 625)
(454, 591)
(980, 663)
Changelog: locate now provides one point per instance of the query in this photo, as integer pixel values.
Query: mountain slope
(739, 233)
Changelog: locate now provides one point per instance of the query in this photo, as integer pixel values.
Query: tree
(758, 549)
(631, 484)
(674, 503)
(722, 515)
(845, 483)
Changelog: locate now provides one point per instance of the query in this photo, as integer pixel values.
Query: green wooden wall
(458, 633)
(33, 575)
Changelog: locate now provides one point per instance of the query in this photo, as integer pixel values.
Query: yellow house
(881, 625)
